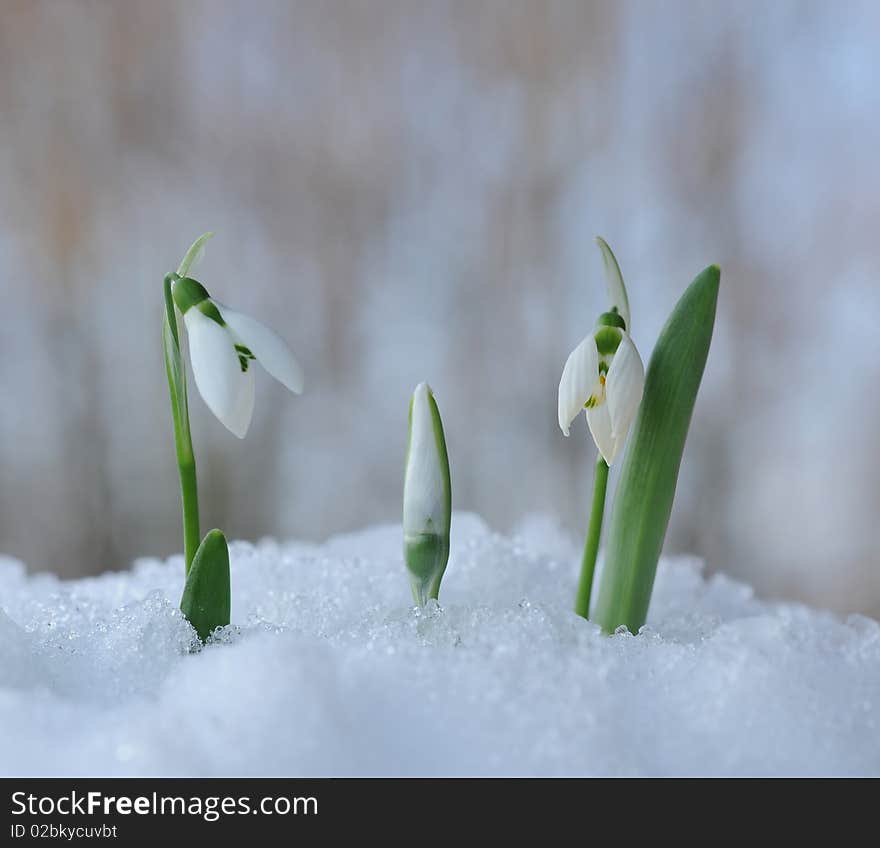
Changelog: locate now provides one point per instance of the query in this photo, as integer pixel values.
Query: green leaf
(206, 600)
(193, 255)
(440, 441)
(648, 476)
(614, 281)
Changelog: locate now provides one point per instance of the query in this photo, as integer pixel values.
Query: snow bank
(329, 671)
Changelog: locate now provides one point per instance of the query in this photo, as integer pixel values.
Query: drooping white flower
(222, 345)
(604, 375)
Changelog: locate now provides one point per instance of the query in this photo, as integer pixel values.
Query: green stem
(171, 315)
(186, 463)
(591, 545)
(190, 499)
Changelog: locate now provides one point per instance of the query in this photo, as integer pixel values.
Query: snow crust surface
(328, 670)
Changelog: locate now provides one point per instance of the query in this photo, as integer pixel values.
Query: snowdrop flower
(222, 345)
(427, 497)
(604, 374)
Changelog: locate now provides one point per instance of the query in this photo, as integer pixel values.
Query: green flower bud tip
(427, 497)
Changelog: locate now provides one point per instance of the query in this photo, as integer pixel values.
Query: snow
(327, 670)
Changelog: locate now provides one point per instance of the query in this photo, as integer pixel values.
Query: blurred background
(408, 191)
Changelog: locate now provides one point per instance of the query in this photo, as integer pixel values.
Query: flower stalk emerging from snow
(604, 377)
(223, 344)
(427, 497)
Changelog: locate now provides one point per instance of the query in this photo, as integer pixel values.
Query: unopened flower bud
(427, 497)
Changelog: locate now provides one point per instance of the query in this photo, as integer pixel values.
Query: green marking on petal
(244, 356)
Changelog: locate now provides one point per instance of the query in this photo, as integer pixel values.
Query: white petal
(624, 387)
(580, 380)
(240, 420)
(225, 388)
(267, 346)
(600, 426)
(614, 281)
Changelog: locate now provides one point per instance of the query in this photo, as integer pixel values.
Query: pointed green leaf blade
(614, 281)
(646, 488)
(194, 254)
(207, 600)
